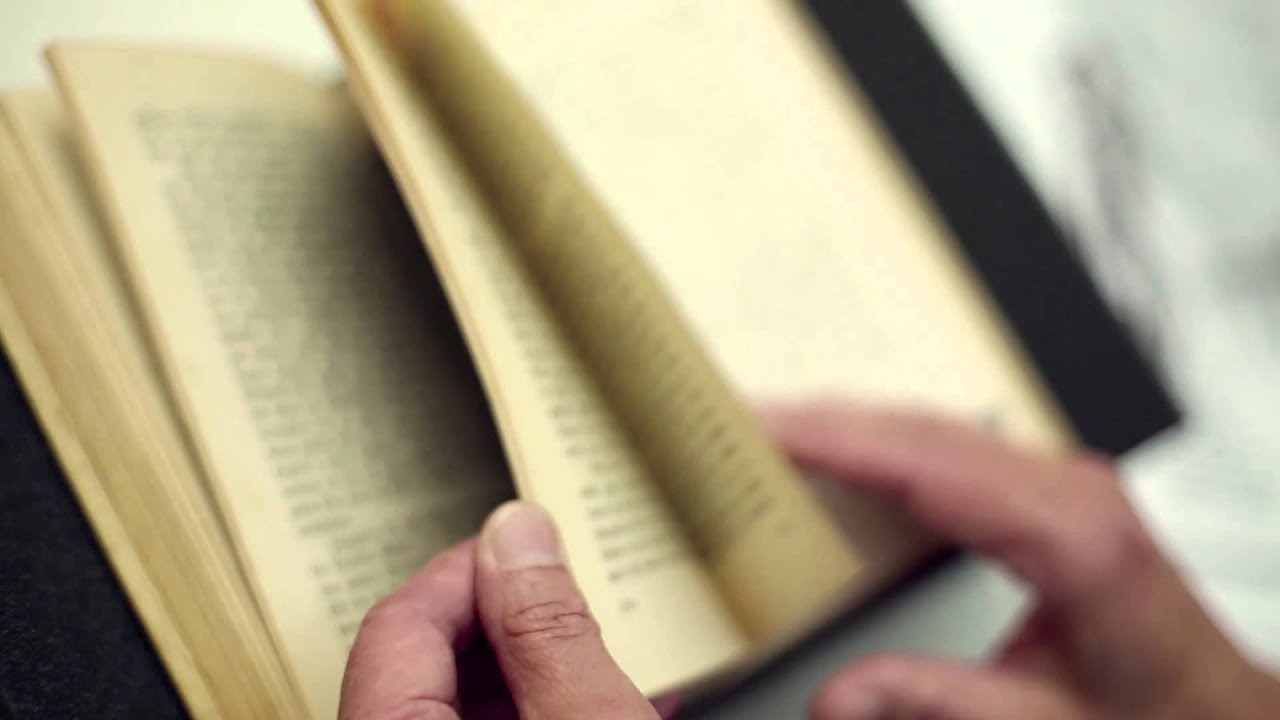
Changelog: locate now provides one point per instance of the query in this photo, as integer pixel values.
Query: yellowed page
(83, 360)
(757, 181)
(313, 359)
(568, 453)
(745, 511)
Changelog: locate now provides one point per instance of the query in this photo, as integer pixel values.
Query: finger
(892, 686)
(1064, 526)
(547, 643)
(402, 661)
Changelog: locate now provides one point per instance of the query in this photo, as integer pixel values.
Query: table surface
(958, 610)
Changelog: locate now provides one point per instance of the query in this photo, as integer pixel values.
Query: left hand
(492, 629)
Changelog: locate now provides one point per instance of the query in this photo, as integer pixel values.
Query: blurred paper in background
(1150, 128)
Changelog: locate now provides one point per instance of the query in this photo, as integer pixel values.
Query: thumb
(892, 686)
(546, 641)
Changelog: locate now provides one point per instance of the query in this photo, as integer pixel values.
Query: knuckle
(1123, 549)
(389, 611)
(391, 604)
(1103, 530)
(551, 622)
(1095, 477)
(379, 622)
(1096, 466)
(1115, 546)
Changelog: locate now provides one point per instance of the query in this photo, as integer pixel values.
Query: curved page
(633, 560)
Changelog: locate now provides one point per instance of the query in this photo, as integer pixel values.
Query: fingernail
(866, 706)
(520, 535)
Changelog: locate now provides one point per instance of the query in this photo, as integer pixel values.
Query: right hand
(494, 629)
(1116, 633)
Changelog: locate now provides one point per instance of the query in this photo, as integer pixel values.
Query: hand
(422, 652)
(1116, 633)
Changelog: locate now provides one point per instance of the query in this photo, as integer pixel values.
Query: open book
(291, 336)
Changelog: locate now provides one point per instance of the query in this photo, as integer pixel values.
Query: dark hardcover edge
(1108, 391)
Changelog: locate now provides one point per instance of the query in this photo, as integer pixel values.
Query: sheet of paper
(567, 450)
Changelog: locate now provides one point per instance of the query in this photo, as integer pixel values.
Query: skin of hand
(1116, 633)
(492, 629)
(495, 629)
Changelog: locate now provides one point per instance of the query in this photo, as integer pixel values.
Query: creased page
(309, 348)
(634, 564)
(745, 511)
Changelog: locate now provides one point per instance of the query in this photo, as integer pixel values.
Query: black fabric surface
(70, 646)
